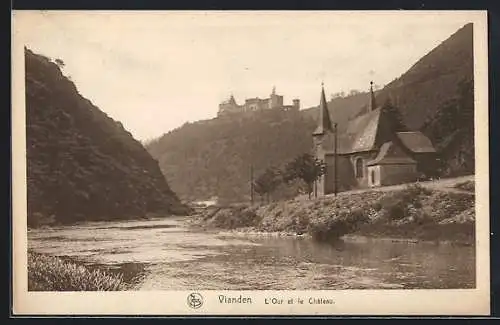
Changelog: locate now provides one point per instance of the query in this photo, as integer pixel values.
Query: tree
(305, 167)
(60, 63)
(354, 92)
(267, 182)
(396, 119)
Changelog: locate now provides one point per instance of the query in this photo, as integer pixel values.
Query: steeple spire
(372, 105)
(324, 122)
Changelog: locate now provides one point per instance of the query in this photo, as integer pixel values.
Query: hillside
(81, 164)
(423, 89)
(435, 96)
(213, 158)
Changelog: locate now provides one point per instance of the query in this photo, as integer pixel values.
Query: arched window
(359, 168)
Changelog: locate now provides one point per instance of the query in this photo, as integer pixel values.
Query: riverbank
(413, 212)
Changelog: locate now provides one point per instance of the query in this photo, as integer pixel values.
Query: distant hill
(81, 164)
(435, 95)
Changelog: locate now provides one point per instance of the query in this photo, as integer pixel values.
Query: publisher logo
(195, 300)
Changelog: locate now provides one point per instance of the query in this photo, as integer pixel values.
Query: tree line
(304, 167)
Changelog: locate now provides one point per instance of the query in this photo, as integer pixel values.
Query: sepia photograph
(250, 162)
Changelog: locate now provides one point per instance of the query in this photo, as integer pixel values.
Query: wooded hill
(213, 157)
(81, 164)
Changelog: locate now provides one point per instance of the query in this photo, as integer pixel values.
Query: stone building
(373, 149)
(255, 104)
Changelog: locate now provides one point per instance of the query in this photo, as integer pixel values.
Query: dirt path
(445, 184)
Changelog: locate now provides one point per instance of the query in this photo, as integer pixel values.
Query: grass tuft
(50, 273)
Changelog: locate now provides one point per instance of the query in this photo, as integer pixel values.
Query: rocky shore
(411, 213)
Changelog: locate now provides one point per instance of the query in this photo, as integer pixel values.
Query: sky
(155, 71)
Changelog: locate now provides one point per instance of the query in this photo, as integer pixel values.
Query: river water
(165, 254)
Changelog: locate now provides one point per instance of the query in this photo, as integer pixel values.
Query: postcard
(250, 163)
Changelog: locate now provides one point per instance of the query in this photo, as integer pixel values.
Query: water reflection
(163, 254)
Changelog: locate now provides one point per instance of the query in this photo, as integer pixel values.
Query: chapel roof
(362, 134)
(324, 123)
(368, 131)
(385, 158)
(416, 142)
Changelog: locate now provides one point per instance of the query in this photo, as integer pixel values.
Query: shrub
(333, 227)
(49, 273)
(235, 217)
(446, 205)
(402, 204)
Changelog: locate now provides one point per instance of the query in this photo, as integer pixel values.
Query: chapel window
(359, 168)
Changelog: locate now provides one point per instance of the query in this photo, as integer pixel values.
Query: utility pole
(251, 184)
(335, 158)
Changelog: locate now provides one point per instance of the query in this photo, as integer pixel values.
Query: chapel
(374, 149)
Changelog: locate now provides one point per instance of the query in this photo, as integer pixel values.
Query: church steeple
(372, 105)
(324, 121)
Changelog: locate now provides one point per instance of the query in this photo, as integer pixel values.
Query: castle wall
(256, 104)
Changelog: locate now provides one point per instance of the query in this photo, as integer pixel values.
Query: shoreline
(347, 238)
(411, 214)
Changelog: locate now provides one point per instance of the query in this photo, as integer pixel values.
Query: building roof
(416, 142)
(361, 134)
(385, 158)
(324, 123)
(368, 131)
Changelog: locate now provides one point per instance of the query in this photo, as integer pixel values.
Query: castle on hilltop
(255, 104)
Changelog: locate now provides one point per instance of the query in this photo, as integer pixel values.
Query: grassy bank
(49, 273)
(413, 212)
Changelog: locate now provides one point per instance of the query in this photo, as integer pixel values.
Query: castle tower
(296, 103)
(275, 101)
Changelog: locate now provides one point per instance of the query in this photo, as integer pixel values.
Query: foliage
(396, 119)
(233, 217)
(267, 182)
(412, 212)
(403, 204)
(305, 167)
(48, 273)
(81, 164)
(344, 221)
(452, 130)
(198, 157)
(60, 63)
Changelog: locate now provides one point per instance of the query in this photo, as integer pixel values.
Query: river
(165, 254)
